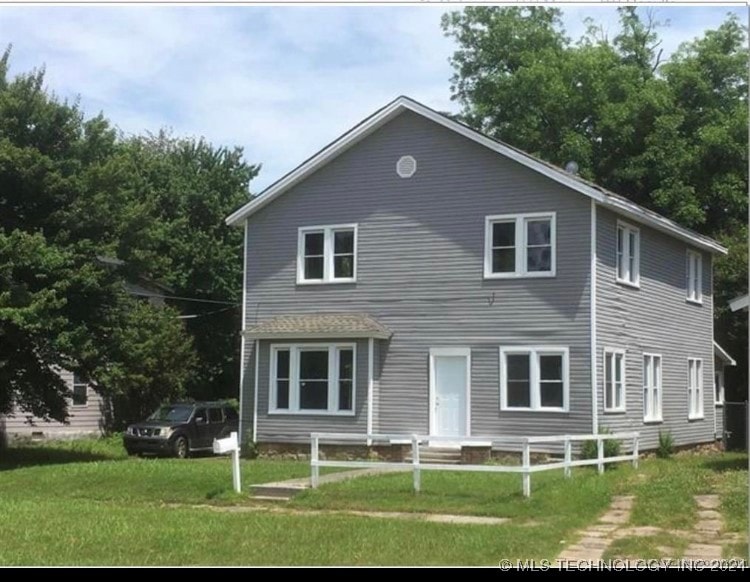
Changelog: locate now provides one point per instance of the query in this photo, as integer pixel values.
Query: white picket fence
(500, 442)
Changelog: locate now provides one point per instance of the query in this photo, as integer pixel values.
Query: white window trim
(700, 414)
(333, 379)
(614, 409)
(699, 267)
(534, 352)
(328, 255)
(636, 283)
(659, 386)
(720, 373)
(520, 242)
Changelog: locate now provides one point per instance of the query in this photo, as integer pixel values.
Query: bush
(249, 448)
(589, 449)
(666, 445)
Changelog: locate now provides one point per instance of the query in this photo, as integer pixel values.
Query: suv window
(231, 413)
(215, 415)
(200, 415)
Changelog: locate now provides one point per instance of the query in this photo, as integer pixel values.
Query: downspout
(242, 335)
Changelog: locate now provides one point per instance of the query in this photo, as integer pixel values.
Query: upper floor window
(694, 277)
(327, 254)
(614, 380)
(80, 395)
(695, 388)
(628, 254)
(534, 378)
(520, 245)
(312, 378)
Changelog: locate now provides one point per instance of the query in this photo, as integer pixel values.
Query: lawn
(85, 502)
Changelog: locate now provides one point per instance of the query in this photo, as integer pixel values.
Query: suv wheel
(180, 447)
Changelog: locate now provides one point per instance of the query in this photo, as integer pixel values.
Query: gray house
(416, 276)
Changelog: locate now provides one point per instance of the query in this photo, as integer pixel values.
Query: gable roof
(615, 202)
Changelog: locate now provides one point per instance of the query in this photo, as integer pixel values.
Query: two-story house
(416, 276)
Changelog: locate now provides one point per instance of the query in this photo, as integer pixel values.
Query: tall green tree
(71, 191)
(669, 134)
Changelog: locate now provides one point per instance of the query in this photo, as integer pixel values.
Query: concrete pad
(707, 501)
(617, 516)
(708, 514)
(703, 552)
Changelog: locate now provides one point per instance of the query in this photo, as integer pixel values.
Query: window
(695, 388)
(327, 254)
(614, 380)
(521, 245)
(312, 378)
(719, 387)
(651, 388)
(628, 254)
(534, 379)
(694, 277)
(80, 391)
(215, 415)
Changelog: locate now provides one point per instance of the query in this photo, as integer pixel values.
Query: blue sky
(279, 81)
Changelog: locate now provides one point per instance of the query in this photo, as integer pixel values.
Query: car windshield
(172, 413)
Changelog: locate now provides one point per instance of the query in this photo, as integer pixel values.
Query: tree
(670, 135)
(72, 191)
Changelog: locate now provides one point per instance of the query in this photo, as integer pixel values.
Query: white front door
(449, 391)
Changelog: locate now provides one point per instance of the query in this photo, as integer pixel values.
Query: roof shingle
(319, 325)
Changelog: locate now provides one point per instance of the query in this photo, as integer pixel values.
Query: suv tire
(181, 447)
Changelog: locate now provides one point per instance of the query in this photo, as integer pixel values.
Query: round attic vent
(406, 166)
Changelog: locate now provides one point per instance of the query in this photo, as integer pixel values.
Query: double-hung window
(694, 277)
(520, 245)
(652, 392)
(695, 388)
(719, 387)
(312, 379)
(614, 380)
(327, 254)
(80, 395)
(534, 378)
(628, 254)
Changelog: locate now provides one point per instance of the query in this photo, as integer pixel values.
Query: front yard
(86, 503)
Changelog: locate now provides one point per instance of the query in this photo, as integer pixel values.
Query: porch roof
(723, 355)
(319, 326)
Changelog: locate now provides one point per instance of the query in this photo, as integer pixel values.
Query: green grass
(85, 503)
(665, 488)
(647, 547)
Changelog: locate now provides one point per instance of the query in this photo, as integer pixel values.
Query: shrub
(666, 445)
(249, 448)
(589, 449)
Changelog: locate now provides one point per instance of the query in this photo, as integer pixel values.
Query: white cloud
(281, 82)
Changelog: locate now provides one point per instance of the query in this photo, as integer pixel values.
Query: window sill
(691, 418)
(526, 410)
(310, 413)
(719, 404)
(332, 282)
(626, 283)
(653, 420)
(615, 411)
(541, 275)
(694, 301)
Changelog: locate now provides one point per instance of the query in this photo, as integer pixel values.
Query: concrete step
(273, 498)
(276, 490)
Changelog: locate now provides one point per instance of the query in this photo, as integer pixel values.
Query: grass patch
(737, 551)
(647, 547)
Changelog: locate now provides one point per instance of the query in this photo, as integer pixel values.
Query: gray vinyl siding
(655, 318)
(88, 419)
(420, 273)
(280, 427)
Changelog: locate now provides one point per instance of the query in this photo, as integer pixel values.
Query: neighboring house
(416, 276)
(88, 411)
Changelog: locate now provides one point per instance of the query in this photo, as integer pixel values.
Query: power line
(233, 304)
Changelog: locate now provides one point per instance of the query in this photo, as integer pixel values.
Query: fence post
(568, 456)
(415, 462)
(635, 451)
(526, 465)
(600, 454)
(314, 477)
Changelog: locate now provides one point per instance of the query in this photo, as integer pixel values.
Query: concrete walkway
(285, 490)
(704, 539)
